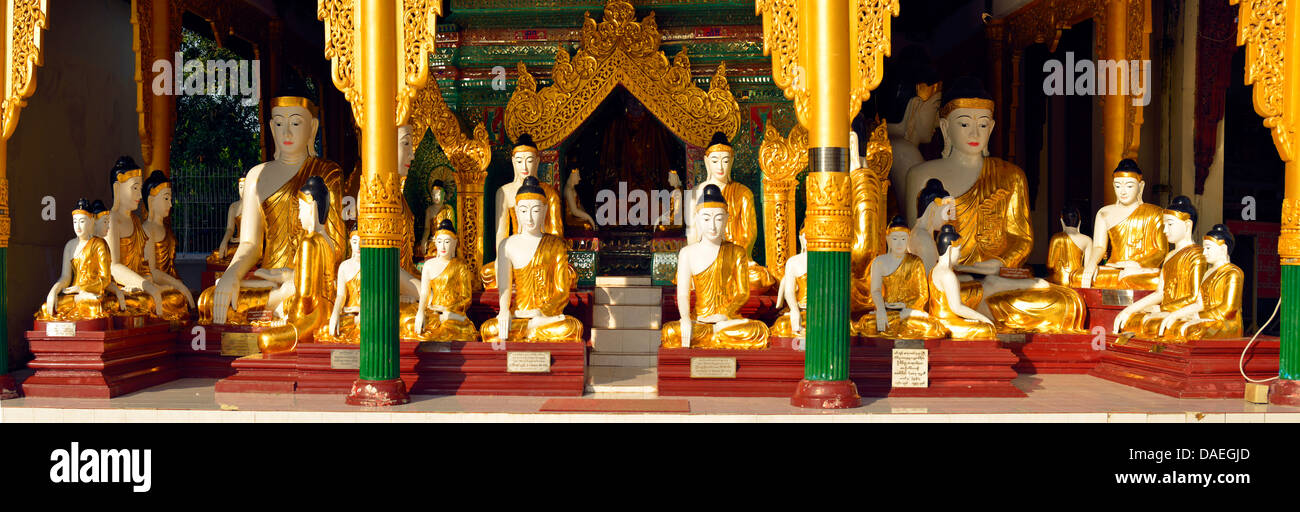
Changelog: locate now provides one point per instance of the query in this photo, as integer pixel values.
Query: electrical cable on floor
(1241, 363)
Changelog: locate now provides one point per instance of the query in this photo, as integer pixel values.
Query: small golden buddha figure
(1180, 275)
(100, 213)
(574, 214)
(524, 158)
(1132, 231)
(160, 247)
(1067, 249)
(742, 220)
(270, 236)
(79, 293)
(126, 245)
(1217, 312)
(793, 291)
(961, 321)
(992, 201)
(909, 98)
(434, 214)
(344, 326)
(672, 219)
(226, 250)
(535, 275)
(446, 290)
(716, 271)
(898, 291)
(308, 288)
(1033, 306)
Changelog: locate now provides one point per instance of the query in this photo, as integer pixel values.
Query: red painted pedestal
(100, 360)
(477, 368)
(487, 302)
(1055, 353)
(957, 368)
(1284, 392)
(316, 374)
(262, 374)
(1198, 369)
(202, 358)
(775, 371)
(1105, 305)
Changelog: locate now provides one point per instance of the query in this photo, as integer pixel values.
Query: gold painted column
(1112, 107)
(154, 40)
(781, 159)
(471, 162)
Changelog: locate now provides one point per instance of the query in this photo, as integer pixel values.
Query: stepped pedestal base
(1197, 369)
(957, 369)
(202, 357)
(325, 368)
(1105, 305)
(826, 394)
(1284, 392)
(775, 371)
(477, 368)
(1055, 353)
(378, 393)
(275, 374)
(100, 360)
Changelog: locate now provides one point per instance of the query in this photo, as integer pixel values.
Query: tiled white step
(625, 341)
(622, 281)
(624, 360)
(622, 380)
(629, 296)
(625, 317)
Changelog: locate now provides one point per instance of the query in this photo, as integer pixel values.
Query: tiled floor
(1052, 398)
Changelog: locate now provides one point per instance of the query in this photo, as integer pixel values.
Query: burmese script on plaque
(713, 367)
(528, 362)
(345, 359)
(239, 344)
(60, 329)
(911, 368)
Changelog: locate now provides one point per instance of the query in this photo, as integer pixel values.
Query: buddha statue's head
(717, 158)
(948, 246)
(313, 204)
(897, 235)
(910, 94)
(444, 240)
(241, 187)
(437, 191)
(803, 240)
(524, 157)
(674, 180)
(293, 125)
(1127, 180)
(405, 152)
(83, 220)
(966, 120)
(354, 243)
(530, 206)
(711, 214)
(944, 205)
(1180, 219)
(158, 190)
(126, 178)
(1070, 219)
(575, 177)
(101, 218)
(1217, 245)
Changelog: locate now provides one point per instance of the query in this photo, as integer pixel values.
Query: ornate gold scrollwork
(870, 186)
(781, 159)
(1288, 244)
(23, 41)
(379, 210)
(1262, 29)
(828, 224)
(621, 51)
(870, 35)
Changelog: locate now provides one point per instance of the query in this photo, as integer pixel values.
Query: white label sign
(345, 359)
(713, 367)
(60, 329)
(911, 368)
(528, 362)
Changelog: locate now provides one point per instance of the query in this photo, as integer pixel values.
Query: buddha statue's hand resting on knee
(79, 293)
(1217, 311)
(446, 290)
(1179, 279)
(899, 291)
(1131, 232)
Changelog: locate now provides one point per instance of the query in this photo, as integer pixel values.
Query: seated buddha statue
(870, 200)
(1066, 251)
(307, 288)
(270, 236)
(226, 250)
(672, 218)
(1217, 312)
(126, 245)
(1131, 230)
(742, 219)
(716, 272)
(344, 324)
(524, 158)
(535, 277)
(909, 97)
(437, 211)
(574, 214)
(992, 202)
(101, 216)
(936, 207)
(1180, 279)
(793, 291)
(961, 321)
(899, 293)
(83, 283)
(446, 290)
(160, 242)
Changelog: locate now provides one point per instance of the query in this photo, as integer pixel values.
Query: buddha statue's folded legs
(743, 335)
(911, 327)
(562, 330)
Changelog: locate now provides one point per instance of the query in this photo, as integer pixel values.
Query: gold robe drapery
(959, 328)
(1181, 275)
(1056, 309)
(552, 224)
(993, 216)
(349, 327)
(542, 285)
(1140, 238)
(1064, 261)
(1221, 317)
(906, 284)
(310, 306)
(451, 289)
(90, 273)
(721, 288)
(131, 252)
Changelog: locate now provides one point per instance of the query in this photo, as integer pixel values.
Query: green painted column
(827, 348)
(8, 388)
(1289, 368)
(379, 314)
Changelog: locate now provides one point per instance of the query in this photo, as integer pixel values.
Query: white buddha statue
(1130, 232)
(909, 100)
(524, 158)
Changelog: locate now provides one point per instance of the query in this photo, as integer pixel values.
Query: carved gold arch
(621, 51)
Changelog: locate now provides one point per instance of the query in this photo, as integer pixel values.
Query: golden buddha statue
(672, 218)
(1180, 276)
(870, 200)
(896, 285)
(126, 245)
(1067, 250)
(434, 214)
(344, 325)
(102, 218)
(936, 207)
(793, 291)
(225, 250)
(269, 235)
(1217, 313)
(524, 158)
(409, 284)
(717, 271)
(446, 290)
(160, 245)
(992, 202)
(909, 97)
(83, 283)
(1132, 231)
(535, 275)
(742, 219)
(308, 288)
(961, 321)
(574, 214)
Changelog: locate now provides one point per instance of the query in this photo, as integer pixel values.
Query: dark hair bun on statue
(446, 225)
(1184, 204)
(897, 222)
(1070, 216)
(315, 187)
(947, 236)
(525, 140)
(155, 179)
(530, 186)
(719, 138)
(712, 194)
(123, 165)
(438, 184)
(933, 190)
(1221, 233)
(84, 205)
(966, 87)
(1127, 165)
(98, 206)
